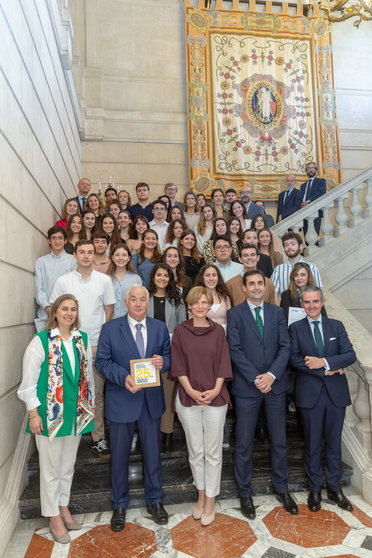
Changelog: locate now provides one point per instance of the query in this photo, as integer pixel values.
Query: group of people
(206, 292)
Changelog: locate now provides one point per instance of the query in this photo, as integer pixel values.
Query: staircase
(91, 485)
(343, 255)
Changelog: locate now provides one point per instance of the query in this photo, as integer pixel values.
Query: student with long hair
(114, 208)
(265, 241)
(89, 223)
(74, 232)
(173, 257)
(235, 232)
(148, 255)
(124, 222)
(124, 199)
(70, 207)
(166, 304)
(174, 231)
(190, 212)
(300, 277)
(94, 204)
(187, 247)
(176, 212)
(237, 209)
(139, 226)
(122, 274)
(219, 227)
(204, 228)
(210, 277)
(110, 227)
(218, 200)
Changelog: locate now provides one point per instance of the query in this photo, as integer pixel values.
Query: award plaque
(143, 373)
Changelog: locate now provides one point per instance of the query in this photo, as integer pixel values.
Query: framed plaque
(143, 373)
(295, 314)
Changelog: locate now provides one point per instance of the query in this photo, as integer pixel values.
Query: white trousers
(57, 460)
(203, 426)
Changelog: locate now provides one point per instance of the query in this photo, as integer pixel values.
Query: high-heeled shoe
(197, 512)
(207, 519)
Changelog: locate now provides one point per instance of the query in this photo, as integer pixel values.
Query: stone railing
(343, 207)
(357, 433)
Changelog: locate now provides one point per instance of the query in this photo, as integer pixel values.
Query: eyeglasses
(219, 248)
(245, 192)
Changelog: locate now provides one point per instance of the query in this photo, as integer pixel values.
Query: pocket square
(332, 338)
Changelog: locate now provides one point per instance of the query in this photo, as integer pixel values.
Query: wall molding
(9, 510)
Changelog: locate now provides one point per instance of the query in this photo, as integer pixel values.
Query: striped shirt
(281, 273)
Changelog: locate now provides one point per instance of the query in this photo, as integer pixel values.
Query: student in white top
(96, 298)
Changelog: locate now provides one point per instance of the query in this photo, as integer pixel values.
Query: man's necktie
(307, 189)
(285, 197)
(83, 201)
(259, 321)
(318, 338)
(139, 341)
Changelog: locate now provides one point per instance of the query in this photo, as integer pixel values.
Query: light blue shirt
(47, 270)
(230, 270)
(120, 287)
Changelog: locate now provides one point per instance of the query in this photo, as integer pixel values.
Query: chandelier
(341, 10)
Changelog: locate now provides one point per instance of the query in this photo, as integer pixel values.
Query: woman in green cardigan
(58, 390)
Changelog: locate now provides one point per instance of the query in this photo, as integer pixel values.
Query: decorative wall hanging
(261, 102)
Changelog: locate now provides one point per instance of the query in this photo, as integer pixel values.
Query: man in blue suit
(134, 336)
(289, 200)
(320, 349)
(259, 348)
(311, 190)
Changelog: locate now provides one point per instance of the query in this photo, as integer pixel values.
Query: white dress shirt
(132, 324)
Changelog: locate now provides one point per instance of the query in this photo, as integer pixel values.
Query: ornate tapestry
(260, 97)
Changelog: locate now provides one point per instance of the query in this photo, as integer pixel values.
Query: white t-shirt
(92, 295)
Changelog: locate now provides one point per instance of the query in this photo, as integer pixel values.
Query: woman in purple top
(201, 364)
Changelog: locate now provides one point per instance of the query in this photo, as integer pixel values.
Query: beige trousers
(57, 460)
(167, 419)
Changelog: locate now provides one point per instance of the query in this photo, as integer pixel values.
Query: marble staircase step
(91, 485)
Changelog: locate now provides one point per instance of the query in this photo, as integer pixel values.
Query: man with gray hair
(170, 190)
(134, 336)
(320, 350)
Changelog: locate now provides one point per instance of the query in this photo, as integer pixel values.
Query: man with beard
(292, 245)
(251, 208)
(311, 190)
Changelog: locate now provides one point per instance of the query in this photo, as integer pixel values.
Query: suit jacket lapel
(267, 314)
(249, 319)
(128, 337)
(309, 334)
(326, 334)
(150, 338)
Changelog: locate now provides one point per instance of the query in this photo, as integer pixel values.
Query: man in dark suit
(320, 349)
(133, 337)
(311, 190)
(259, 348)
(289, 200)
(251, 208)
(83, 191)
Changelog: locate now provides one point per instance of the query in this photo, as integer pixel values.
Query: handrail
(360, 188)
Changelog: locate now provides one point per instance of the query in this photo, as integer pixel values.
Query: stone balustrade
(343, 207)
(357, 433)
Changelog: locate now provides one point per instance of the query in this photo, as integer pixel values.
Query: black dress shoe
(118, 519)
(247, 508)
(158, 513)
(167, 442)
(289, 504)
(339, 498)
(314, 500)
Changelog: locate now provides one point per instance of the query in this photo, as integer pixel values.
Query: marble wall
(40, 164)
